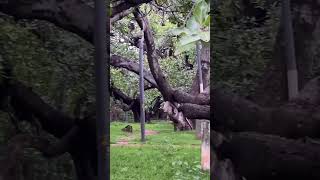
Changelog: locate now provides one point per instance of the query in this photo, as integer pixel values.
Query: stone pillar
(199, 128)
(205, 145)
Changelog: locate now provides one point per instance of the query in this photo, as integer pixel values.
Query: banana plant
(196, 28)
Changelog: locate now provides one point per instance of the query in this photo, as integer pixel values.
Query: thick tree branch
(234, 113)
(120, 15)
(18, 143)
(121, 62)
(127, 5)
(183, 97)
(51, 120)
(64, 145)
(118, 94)
(194, 111)
(72, 15)
(265, 157)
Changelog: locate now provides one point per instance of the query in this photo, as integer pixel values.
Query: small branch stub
(198, 50)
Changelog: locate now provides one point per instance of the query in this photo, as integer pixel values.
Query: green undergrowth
(165, 155)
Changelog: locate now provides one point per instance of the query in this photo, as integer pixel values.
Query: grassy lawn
(166, 155)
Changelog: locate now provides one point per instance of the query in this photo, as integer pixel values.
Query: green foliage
(56, 65)
(53, 62)
(196, 29)
(242, 48)
(22, 49)
(150, 95)
(177, 75)
(124, 80)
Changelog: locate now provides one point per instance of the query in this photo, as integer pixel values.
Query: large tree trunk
(135, 108)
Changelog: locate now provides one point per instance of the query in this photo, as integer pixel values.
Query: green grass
(167, 155)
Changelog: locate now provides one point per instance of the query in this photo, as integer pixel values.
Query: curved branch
(72, 15)
(18, 143)
(127, 5)
(234, 113)
(120, 15)
(15, 149)
(121, 62)
(118, 94)
(271, 157)
(63, 145)
(51, 120)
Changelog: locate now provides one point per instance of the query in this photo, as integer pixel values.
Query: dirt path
(151, 132)
(125, 140)
(154, 145)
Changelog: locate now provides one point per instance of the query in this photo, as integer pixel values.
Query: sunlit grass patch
(166, 155)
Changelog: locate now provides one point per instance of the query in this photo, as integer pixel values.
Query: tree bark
(24, 100)
(233, 113)
(194, 111)
(264, 157)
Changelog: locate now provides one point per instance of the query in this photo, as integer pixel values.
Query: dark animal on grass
(128, 128)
